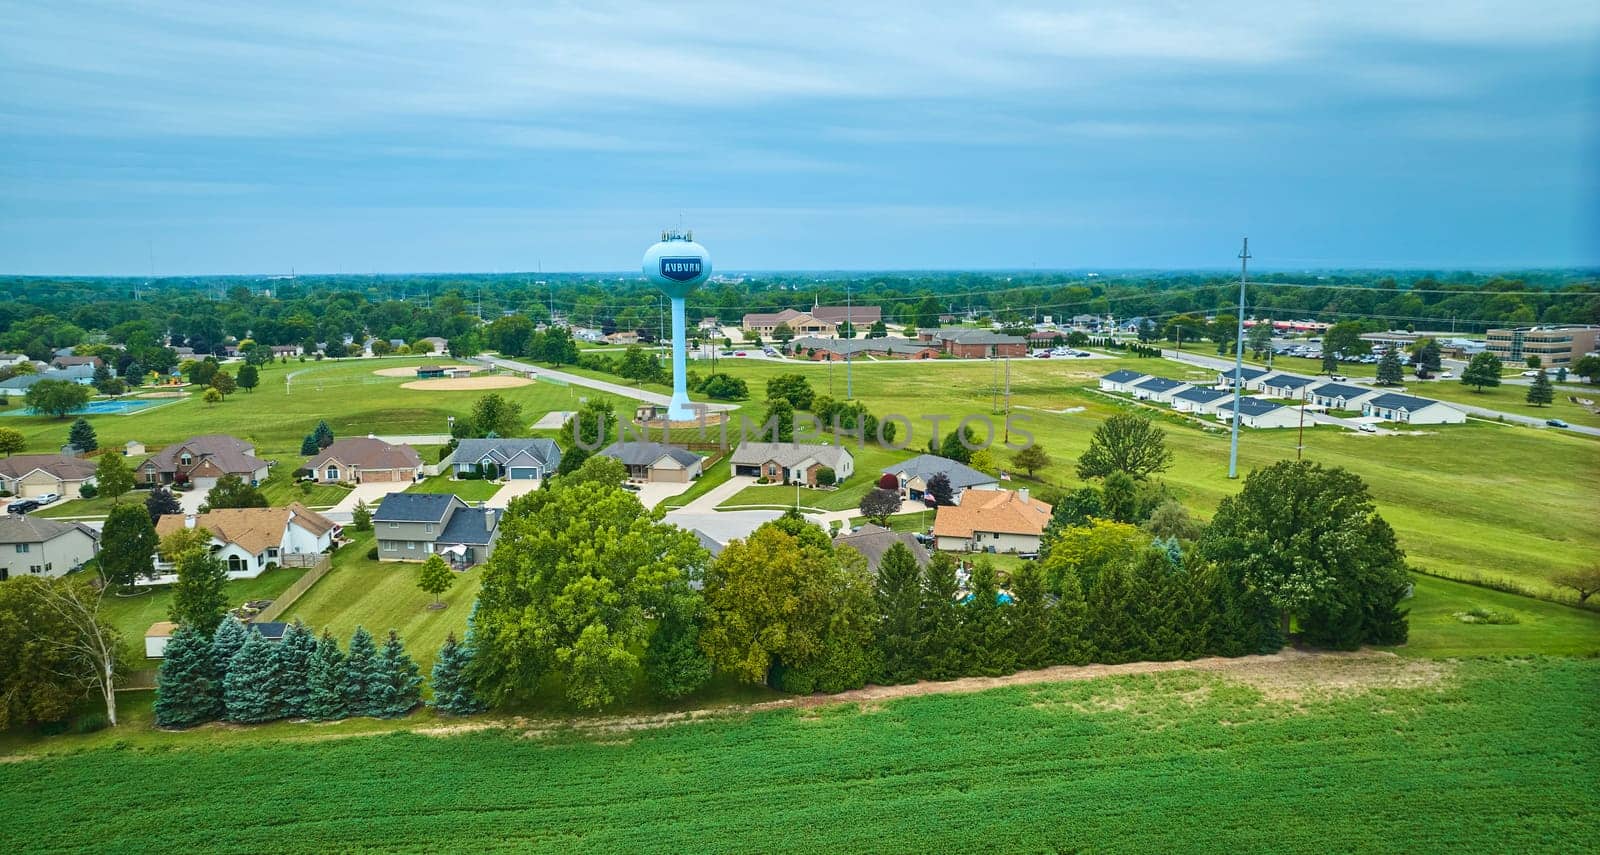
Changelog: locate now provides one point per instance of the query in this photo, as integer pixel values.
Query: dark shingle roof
(18, 528)
(1203, 394)
(873, 541)
(1397, 401)
(509, 451)
(271, 630)
(1247, 372)
(1250, 406)
(961, 475)
(470, 525)
(414, 507)
(647, 453)
(1287, 381)
(1158, 384)
(1122, 376)
(1339, 390)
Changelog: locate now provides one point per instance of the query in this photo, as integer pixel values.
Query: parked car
(1338, 378)
(46, 498)
(1366, 428)
(740, 353)
(1043, 354)
(21, 506)
(1556, 423)
(630, 486)
(1530, 374)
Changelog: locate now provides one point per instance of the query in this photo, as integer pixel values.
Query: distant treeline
(202, 312)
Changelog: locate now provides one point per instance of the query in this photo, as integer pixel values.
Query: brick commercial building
(1554, 345)
(975, 344)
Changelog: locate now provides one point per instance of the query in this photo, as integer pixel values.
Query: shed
(132, 448)
(156, 638)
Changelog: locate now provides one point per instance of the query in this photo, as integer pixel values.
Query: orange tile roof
(1004, 511)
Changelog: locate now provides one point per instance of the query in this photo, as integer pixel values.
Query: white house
(1341, 396)
(1409, 409)
(1158, 389)
(992, 521)
(1121, 381)
(35, 546)
(1260, 413)
(1201, 400)
(1249, 377)
(1285, 385)
(248, 540)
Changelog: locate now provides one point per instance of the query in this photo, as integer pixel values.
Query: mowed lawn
(469, 490)
(1442, 758)
(1474, 501)
(132, 615)
(380, 596)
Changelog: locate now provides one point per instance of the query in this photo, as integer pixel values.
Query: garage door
(204, 483)
(752, 471)
(524, 473)
(28, 491)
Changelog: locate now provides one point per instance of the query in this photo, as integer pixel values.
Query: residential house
(1257, 412)
(1410, 409)
(992, 521)
(710, 326)
(1202, 400)
(655, 462)
(1341, 396)
(914, 475)
(437, 344)
(12, 360)
(1158, 389)
(28, 475)
(974, 344)
(202, 460)
(623, 337)
(249, 540)
(69, 361)
(364, 460)
(835, 349)
(512, 459)
(281, 350)
(412, 526)
(36, 546)
(1286, 386)
(791, 462)
(18, 386)
(1122, 381)
(1250, 377)
(872, 541)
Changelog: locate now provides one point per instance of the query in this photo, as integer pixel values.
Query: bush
(90, 723)
(826, 477)
(372, 554)
(88, 491)
(54, 728)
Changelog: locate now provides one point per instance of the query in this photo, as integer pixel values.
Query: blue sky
(450, 136)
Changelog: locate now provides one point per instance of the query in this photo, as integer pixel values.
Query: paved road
(1220, 364)
(578, 380)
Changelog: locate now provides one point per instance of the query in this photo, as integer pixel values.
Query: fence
(322, 564)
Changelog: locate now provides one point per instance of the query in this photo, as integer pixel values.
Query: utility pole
(849, 318)
(1300, 442)
(1238, 366)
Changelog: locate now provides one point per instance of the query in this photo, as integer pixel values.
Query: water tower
(675, 265)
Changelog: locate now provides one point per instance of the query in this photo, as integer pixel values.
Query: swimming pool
(96, 408)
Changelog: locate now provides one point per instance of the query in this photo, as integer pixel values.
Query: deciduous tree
(1126, 442)
(127, 546)
(435, 577)
(794, 388)
(249, 377)
(56, 397)
(232, 492)
(112, 476)
(878, 504)
(938, 488)
(1031, 458)
(492, 413)
(160, 502)
(199, 597)
(11, 441)
(1482, 372)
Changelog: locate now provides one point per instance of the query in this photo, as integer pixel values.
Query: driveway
(707, 502)
(191, 500)
(372, 494)
(511, 490)
(655, 492)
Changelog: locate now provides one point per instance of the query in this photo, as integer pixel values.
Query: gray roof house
(1395, 407)
(655, 461)
(412, 526)
(1121, 380)
(1257, 412)
(1160, 389)
(1201, 399)
(915, 473)
(1284, 385)
(514, 459)
(873, 541)
(35, 546)
(791, 461)
(19, 385)
(1250, 376)
(1341, 396)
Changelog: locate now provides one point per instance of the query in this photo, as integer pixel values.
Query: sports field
(1319, 755)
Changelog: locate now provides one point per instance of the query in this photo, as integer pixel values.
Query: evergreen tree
(1541, 393)
(398, 687)
(1074, 509)
(81, 435)
(1154, 606)
(361, 517)
(986, 629)
(1243, 623)
(324, 434)
(1389, 371)
(327, 693)
(941, 619)
(249, 689)
(898, 592)
(295, 653)
(362, 675)
(1121, 497)
(1070, 643)
(1113, 617)
(309, 446)
(451, 680)
(1030, 619)
(188, 681)
(226, 641)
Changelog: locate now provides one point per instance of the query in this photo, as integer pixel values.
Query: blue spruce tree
(228, 639)
(452, 686)
(294, 653)
(362, 675)
(326, 691)
(249, 689)
(398, 688)
(189, 681)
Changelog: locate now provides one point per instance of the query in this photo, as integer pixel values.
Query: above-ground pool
(97, 408)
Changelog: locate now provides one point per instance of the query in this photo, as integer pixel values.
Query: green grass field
(383, 596)
(471, 491)
(1447, 758)
(133, 615)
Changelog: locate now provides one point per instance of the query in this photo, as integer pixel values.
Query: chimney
(1023, 493)
(489, 517)
(188, 520)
